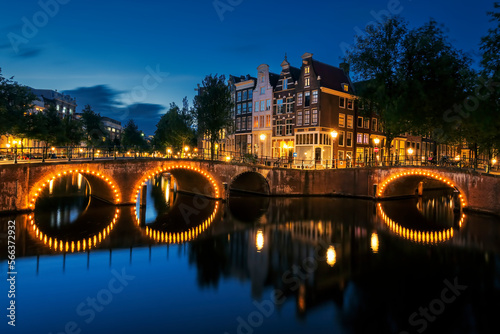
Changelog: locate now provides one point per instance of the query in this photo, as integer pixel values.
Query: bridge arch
(404, 183)
(190, 179)
(101, 186)
(250, 182)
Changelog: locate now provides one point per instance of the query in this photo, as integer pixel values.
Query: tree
(410, 77)
(212, 109)
(92, 122)
(16, 101)
(174, 128)
(132, 136)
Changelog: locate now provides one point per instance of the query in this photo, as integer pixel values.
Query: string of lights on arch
(168, 169)
(178, 237)
(84, 244)
(435, 176)
(38, 188)
(424, 237)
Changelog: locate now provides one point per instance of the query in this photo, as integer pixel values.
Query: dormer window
(345, 87)
(307, 82)
(285, 83)
(307, 69)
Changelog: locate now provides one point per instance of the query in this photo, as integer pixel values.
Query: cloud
(105, 100)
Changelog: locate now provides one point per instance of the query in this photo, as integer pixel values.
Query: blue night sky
(131, 59)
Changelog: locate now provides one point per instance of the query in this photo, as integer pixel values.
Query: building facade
(283, 139)
(262, 111)
(243, 88)
(65, 105)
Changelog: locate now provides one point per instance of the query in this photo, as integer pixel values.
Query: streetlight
(376, 141)
(334, 135)
(410, 152)
(262, 139)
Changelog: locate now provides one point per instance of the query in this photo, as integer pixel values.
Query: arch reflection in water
(421, 230)
(173, 217)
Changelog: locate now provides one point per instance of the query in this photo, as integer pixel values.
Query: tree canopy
(175, 128)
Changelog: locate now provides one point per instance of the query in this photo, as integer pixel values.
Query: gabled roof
(295, 72)
(273, 79)
(332, 77)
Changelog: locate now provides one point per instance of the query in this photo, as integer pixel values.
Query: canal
(187, 264)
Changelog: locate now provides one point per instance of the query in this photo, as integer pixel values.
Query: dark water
(251, 265)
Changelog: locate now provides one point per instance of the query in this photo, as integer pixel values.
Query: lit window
(350, 104)
(256, 122)
(257, 106)
(299, 99)
(307, 82)
(268, 121)
(349, 121)
(367, 123)
(366, 139)
(359, 138)
(307, 70)
(315, 96)
(341, 120)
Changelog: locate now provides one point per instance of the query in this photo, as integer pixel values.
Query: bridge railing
(68, 153)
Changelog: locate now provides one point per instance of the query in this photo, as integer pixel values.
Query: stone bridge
(119, 181)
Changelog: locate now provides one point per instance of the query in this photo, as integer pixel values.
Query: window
(307, 117)
(307, 82)
(244, 108)
(360, 122)
(262, 90)
(350, 104)
(315, 96)
(341, 120)
(262, 105)
(250, 94)
(341, 138)
(299, 99)
(58, 107)
(238, 124)
(268, 121)
(249, 122)
(349, 121)
(256, 122)
(349, 139)
(289, 104)
(341, 102)
(243, 123)
(341, 155)
(314, 116)
(257, 106)
(249, 107)
(239, 97)
(288, 130)
(268, 104)
(308, 99)
(261, 78)
(374, 124)
(279, 106)
(307, 69)
(238, 109)
(366, 139)
(359, 138)
(244, 95)
(261, 124)
(279, 128)
(299, 118)
(367, 123)
(285, 83)
(361, 105)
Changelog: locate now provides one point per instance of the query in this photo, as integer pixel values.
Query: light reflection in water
(259, 240)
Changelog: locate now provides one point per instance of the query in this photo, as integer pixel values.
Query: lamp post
(334, 135)
(410, 152)
(376, 141)
(262, 139)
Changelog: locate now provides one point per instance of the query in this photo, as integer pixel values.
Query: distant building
(113, 128)
(65, 105)
(242, 92)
